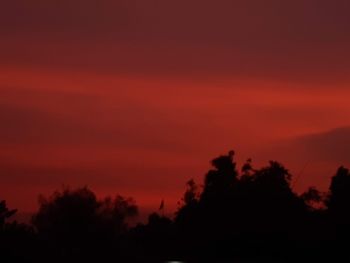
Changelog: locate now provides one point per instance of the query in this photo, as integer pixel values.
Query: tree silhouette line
(238, 215)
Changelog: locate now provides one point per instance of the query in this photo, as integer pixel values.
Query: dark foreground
(238, 215)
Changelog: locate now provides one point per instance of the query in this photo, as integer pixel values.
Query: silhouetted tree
(5, 213)
(220, 181)
(152, 242)
(338, 203)
(17, 241)
(77, 225)
(313, 198)
(258, 206)
(115, 213)
(191, 194)
(338, 214)
(247, 168)
(339, 198)
(253, 214)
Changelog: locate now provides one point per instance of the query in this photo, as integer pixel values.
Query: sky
(136, 97)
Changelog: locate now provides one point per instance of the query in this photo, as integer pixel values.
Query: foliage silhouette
(5, 213)
(251, 214)
(75, 225)
(16, 240)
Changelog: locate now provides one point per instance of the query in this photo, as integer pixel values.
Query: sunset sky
(136, 97)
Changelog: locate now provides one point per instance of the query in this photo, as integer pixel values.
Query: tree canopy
(236, 213)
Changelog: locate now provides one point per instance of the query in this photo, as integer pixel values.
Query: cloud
(329, 146)
(312, 158)
(79, 126)
(53, 118)
(293, 40)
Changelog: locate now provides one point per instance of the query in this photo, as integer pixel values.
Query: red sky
(136, 97)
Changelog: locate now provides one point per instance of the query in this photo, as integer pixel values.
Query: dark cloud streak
(295, 40)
